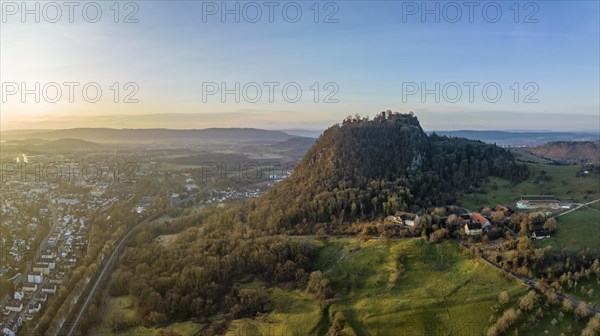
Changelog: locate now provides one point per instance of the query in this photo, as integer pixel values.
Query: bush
(503, 298)
(593, 326)
(529, 301)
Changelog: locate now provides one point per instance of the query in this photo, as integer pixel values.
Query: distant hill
(158, 136)
(304, 133)
(295, 147)
(33, 146)
(365, 169)
(67, 144)
(573, 152)
(519, 139)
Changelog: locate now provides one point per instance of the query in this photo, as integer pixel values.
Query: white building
(36, 278)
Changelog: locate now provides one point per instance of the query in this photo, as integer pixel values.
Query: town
(52, 212)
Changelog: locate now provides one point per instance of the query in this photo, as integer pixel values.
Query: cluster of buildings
(470, 224)
(219, 196)
(24, 213)
(38, 266)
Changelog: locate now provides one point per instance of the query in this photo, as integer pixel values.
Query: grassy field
(561, 181)
(526, 157)
(119, 310)
(409, 287)
(398, 287)
(294, 313)
(579, 229)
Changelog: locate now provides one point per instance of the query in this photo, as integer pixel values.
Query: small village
(488, 222)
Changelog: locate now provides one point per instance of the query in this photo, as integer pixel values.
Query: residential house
(14, 306)
(36, 278)
(57, 280)
(49, 289)
(30, 287)
(43, 268)
(18, 295)
(34, 307)
(42, 297)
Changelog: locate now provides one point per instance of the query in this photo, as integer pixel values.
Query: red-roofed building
(502, 208)
(479, 219)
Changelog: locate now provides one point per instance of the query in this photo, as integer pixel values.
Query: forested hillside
(573, 152)
(364, 169)
(194, 277)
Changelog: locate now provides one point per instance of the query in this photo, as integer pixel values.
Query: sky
(300, 65)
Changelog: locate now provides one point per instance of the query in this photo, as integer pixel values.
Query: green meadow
(577, 229)
(395, 287)
(561, 181)
(119, 319)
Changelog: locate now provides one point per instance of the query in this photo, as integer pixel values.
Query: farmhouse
(473, 229)
(540, 234)
(407, 218)
(477, 218)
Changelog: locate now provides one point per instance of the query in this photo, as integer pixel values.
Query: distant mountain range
(521, 139)
(268, 137)
(34, 146)
(155, 136)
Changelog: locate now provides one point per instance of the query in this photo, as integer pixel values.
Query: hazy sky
(360, 57)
